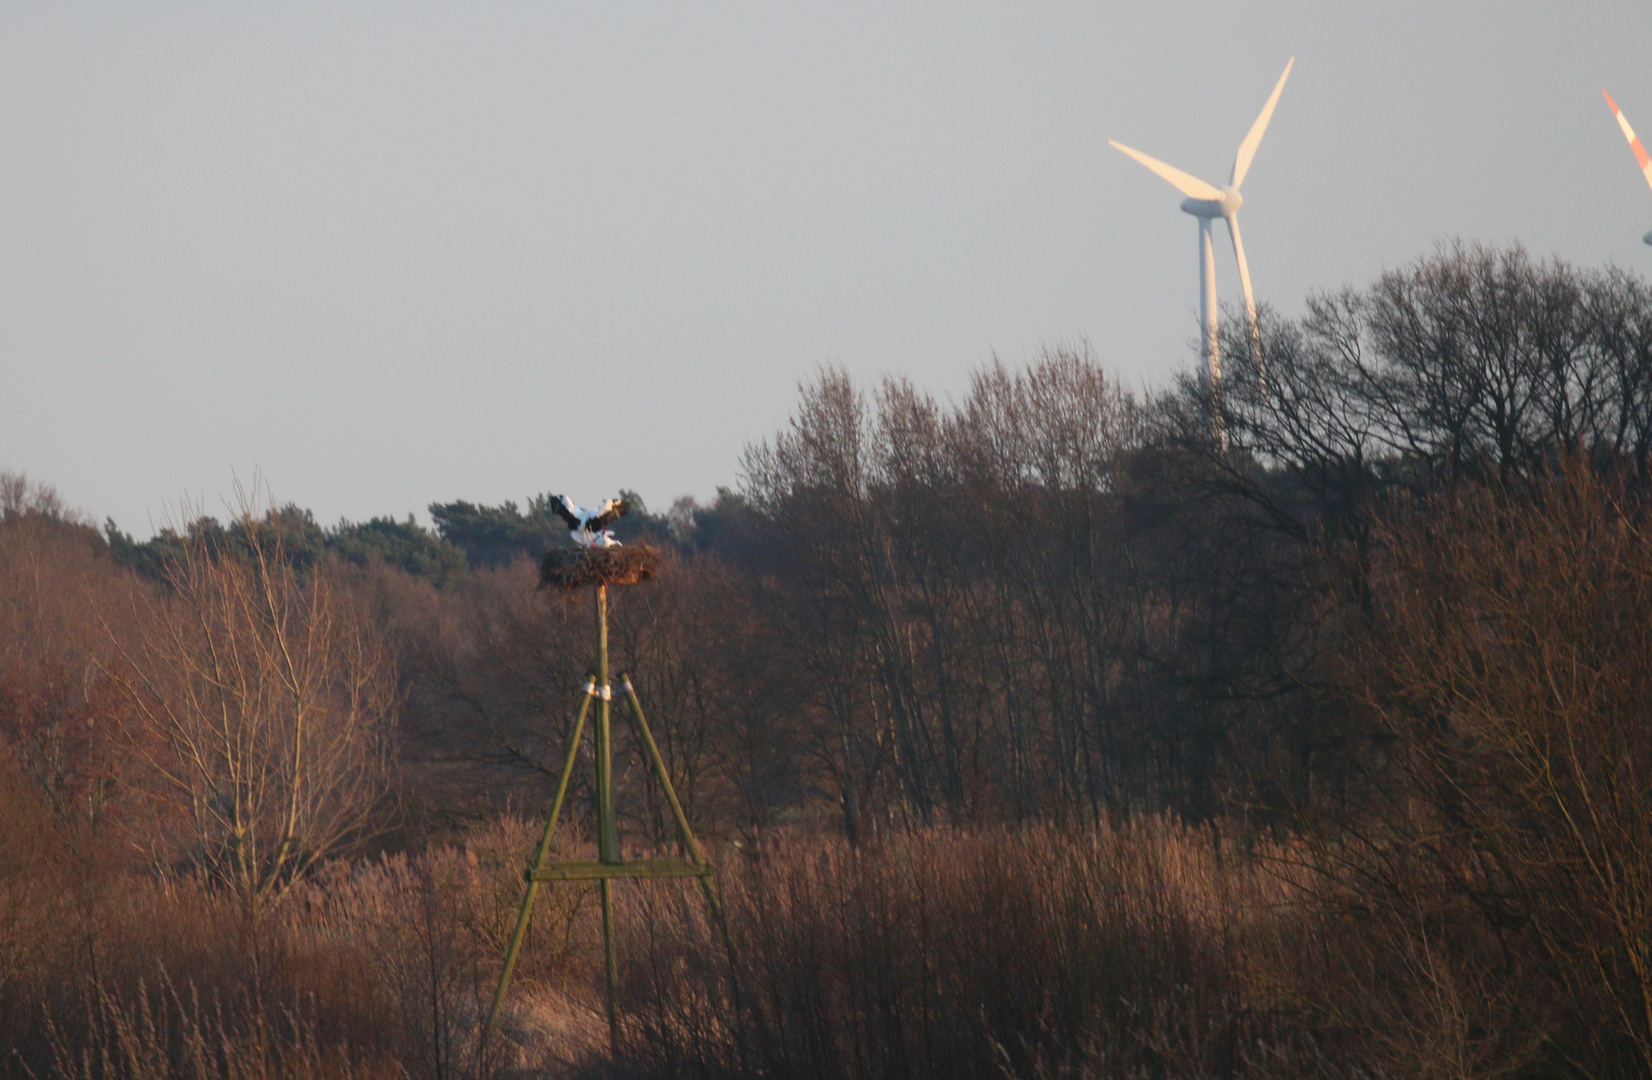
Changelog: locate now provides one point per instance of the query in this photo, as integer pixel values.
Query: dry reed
(1129, 951)
(375, 967)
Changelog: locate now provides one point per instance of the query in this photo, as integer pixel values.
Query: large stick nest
(574, 568)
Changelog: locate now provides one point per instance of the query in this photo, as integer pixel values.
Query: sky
(381, 255)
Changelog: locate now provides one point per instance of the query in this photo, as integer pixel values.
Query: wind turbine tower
(1635, 145)
(1207, 203)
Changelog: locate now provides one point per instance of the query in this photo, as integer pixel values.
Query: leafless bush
(261, 700)
(1504, 892)
(59, 709)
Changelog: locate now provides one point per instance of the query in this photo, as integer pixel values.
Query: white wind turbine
(1634, 144)
(1207, 203)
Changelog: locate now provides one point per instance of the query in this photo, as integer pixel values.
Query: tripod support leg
(685, 837)
(525, 916)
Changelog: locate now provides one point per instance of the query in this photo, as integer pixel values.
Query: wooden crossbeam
(597, 871)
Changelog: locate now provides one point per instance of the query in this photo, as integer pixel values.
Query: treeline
(466, 536)
(1052, 599)
(1046, 599)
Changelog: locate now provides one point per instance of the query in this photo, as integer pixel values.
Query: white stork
(589, 528)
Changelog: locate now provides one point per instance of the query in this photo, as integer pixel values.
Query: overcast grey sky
(392, 253)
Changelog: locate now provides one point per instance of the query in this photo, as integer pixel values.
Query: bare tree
(21, 497)
(261, 703)
(1475, 361)
(1507, 667)
(947, 579)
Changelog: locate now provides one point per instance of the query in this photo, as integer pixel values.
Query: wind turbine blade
(1250, 300)
(1244, 272)
(1247, 149)
(1629, 133)
(1191, 186)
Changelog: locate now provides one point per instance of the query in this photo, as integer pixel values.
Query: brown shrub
(373, 966)
(1128, 951)
(60, 711)
(1495, 916)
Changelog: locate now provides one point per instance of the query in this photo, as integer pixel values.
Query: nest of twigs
(574, 568)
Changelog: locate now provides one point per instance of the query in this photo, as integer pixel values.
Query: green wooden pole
(607, 832)
(610, 966)
(526, 914)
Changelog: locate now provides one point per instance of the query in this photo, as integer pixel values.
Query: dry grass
(1142, 950)
(1132, 951)
(1024, 953)
(378, 967)
(170, 1035)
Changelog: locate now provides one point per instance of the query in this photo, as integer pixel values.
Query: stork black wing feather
(560, 505)
(613, 512)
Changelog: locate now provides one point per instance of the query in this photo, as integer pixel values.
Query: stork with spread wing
(589, 528)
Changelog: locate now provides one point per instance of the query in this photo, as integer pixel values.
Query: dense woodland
(1298, 729)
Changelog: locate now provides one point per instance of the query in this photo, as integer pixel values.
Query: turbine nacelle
(1225, 207)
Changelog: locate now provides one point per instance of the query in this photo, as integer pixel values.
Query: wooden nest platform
(568, 569)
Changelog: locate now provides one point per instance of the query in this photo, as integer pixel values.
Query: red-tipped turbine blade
(1634, 142)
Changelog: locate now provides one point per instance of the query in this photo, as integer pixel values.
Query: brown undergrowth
(378, 967)
(1145, 949)
(1138, 950)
